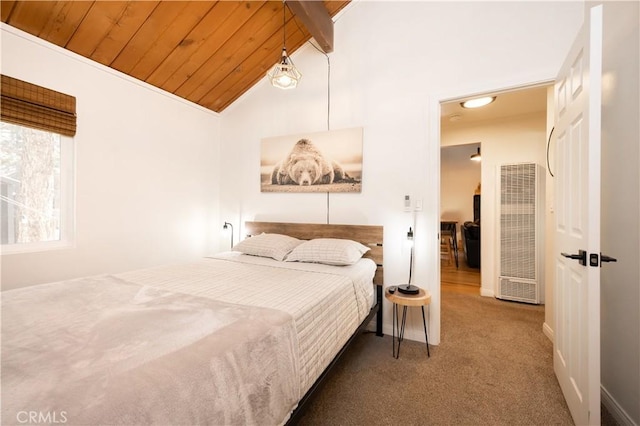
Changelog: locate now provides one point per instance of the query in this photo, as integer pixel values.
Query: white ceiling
(507, 104)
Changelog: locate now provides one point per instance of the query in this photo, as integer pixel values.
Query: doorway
(511, 129)
(460, 195)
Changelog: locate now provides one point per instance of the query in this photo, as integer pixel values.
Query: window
(36, 167)
(36, 172)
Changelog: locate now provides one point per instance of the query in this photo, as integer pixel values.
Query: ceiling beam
(316, 19)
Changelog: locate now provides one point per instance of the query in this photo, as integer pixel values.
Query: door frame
(432, 222)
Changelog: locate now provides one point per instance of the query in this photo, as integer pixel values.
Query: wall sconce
(408, 288)
(477, 156)
(226, 226)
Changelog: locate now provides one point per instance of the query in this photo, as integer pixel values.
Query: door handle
(581, 257)
(596, 260)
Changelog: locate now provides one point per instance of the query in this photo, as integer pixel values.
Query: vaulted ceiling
(208, 52)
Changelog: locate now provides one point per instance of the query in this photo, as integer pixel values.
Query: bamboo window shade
(34, 106)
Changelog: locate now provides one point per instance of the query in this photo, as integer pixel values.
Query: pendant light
(284, 74)
(476, 157)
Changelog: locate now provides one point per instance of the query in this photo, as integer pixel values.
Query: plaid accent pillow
(275, 246)
(330, 251)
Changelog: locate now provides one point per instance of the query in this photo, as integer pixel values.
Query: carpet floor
(493, 366)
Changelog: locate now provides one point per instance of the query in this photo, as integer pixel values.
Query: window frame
(67, 206)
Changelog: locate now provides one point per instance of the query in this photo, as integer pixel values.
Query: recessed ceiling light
(478, 102)
(455, 117)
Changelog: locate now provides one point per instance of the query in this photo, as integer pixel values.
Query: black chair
(471, 238)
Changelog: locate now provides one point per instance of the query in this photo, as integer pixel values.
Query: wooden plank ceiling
(208, 52)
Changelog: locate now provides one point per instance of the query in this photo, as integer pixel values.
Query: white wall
(147, 169)
(620, 228)
(459, 178)
(392, 65)
(510, 140)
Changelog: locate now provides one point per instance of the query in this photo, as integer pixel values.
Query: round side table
(421, 299)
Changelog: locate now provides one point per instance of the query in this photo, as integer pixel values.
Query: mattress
(327, 303)
(230, 339)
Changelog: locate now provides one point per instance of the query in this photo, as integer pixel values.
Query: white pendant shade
(284, 74)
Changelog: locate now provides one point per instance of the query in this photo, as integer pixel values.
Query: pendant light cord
(327, 207)
(284, 24)
(328, 89)
(328, 70)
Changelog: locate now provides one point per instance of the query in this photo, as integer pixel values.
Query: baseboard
(547, 331)
(486, 292)
(410, 333)
(617, 412)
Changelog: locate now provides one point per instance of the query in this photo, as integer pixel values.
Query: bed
(236, 338)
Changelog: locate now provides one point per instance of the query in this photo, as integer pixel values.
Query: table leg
(379, 314)
(455, 244)
(398, 328)
(401, 332)
(393, 327)
(426, 338)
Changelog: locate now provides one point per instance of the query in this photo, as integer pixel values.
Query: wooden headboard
(369, 235)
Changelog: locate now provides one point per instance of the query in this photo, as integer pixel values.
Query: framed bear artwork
(328, 161)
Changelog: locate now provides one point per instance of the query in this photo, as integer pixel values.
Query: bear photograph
(312, 162)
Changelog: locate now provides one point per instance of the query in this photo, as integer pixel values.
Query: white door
(576, 346)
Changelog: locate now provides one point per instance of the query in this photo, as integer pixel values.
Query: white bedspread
(102, 350)
(233, 339)
(345, 293)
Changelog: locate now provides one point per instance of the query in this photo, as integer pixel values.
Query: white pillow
(275, 246)
(330, 251)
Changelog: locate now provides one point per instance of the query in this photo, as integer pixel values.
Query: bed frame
(371, 236)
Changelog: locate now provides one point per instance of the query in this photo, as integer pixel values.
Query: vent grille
(518, 221)
(518, 290)
(521, 241)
